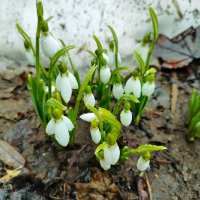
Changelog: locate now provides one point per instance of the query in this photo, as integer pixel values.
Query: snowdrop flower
(148, 88)
(143, 164)
(95, 132)
(88, 97)
(73, 81)
(126, 115)
(89, 117)
(30, 57)
(118, 90)
(49, 45)
(104, 164)
(63, 85)
(60, 125)
(111, 154)
(105, 74)
(133, 85)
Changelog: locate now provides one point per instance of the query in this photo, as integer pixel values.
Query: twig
(149, 187)
(174, 95)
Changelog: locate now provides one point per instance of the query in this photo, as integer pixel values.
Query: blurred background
(75, 21)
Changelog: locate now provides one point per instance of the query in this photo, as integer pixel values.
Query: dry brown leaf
(10, 174)
(9, 156)
(100, 187)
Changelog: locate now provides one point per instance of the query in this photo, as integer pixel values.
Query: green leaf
(129, 97)
(60, 53)
(120, 69)
(99, 45)
(140, 61)
(100, 147)
(91, 53)
(154, 20)
(53, 103)
(147, 148)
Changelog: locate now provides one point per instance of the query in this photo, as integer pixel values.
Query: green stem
(38, 52)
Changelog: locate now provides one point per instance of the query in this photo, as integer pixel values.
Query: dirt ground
(73, 173)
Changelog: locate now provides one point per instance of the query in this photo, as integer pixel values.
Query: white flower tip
(126, 117)
(142, 164)
(111, 154)
(95, 135)
(105, 165)
(88, 117)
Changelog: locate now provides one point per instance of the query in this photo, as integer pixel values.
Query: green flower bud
(150, 78)
(118, 78)
(127, 106)
(146, 38)
(135, 73)
(62, 68)
(94, 124)
(26, 45)
(57, 113)
(103, 61)
(146, 156)
(93, 62)
(44, 26)
(88, 89)
(111, 45)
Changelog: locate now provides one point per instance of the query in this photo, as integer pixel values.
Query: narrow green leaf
(99, 45)
(140, 61)
(147, 148)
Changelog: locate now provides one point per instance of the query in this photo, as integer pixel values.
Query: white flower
(63, 85)
(118, 90)
(106, 57)
(142, 50)
(142, 164)
(105, 74)
(133, 85)
(148, 89)
(95, 135)
(61, 129)
(89, 99)
(49, 45)
(30, 57)
(73, 81)
(126, 117)
(104, 165)
(89, 117)
(111, 154)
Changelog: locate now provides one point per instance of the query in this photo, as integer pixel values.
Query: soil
(73, 173)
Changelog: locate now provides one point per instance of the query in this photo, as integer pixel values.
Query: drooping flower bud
(133, 85)
(111, 154)
(30, 57)
(104, 165)
(88, 97)
(105, 74)
(95, 132)
(118, 89)
(89, 117)
(49, 45)
(149, 87)
(143, 50)
(143, 163)
(126, 115)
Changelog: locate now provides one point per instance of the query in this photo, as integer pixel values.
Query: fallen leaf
(179, 51)
(10, 174)
(9, 156)
(142, 188)
(100, 187)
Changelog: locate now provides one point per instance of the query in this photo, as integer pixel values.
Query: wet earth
(49, 172)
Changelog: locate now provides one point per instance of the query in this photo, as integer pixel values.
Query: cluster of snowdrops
(106, 99)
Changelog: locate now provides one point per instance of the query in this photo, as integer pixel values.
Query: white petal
(58, 82)
(89, 117)
(95, 135)
(89, 99)
(126, 117)
(142, 164)
(50, 128)
(68, 122)
(66, 90)
(148, 89)
(61, 133)
(105, 74)
(52, 88)
(30, 57)
(118, 90)
(73, 81)
(129, 86)
(49, 45)
(111, 154)
(133, 85)
(105, 56)
(111, 57)
(104, 165)
(137, 88)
